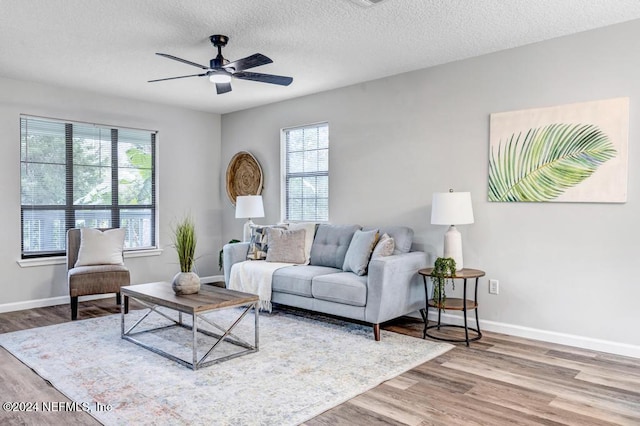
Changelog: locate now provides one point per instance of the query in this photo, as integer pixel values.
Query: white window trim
(283, 175)
(60, 260)
(283, 170)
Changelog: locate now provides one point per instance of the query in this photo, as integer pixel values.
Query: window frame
(284, 175)
(69, 209)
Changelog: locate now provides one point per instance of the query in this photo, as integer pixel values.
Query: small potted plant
(444, 269)
(184, 241)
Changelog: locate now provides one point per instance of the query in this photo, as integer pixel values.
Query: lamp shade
(249, 206)
(451, 208)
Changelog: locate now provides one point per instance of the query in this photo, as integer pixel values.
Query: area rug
(304, 367)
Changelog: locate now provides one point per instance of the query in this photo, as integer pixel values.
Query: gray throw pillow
(286, 246)
(357, 258)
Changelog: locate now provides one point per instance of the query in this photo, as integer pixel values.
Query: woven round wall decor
(244, 176)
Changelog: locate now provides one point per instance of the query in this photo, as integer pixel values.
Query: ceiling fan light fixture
(220, 78)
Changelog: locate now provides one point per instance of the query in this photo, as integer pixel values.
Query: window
(306, 173)
(84, 175)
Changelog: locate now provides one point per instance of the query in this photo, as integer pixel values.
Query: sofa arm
(394, 286)
(233, 253)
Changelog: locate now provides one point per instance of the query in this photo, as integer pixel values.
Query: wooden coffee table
(208, 299)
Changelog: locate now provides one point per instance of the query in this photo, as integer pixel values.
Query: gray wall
(189, 182)
(563, 268)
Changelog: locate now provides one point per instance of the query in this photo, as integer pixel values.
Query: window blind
(84, 175)
(307, 173)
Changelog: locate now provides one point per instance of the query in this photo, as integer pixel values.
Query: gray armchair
(94, 279)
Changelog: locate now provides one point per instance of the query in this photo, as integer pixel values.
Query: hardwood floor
(498, 380)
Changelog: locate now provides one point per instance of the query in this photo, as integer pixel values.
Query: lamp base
(453, 246)
(246, 230)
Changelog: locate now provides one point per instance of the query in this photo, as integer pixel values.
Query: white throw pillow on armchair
(100, 247)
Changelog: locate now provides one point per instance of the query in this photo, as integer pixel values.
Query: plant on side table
(444, 269)
(184, 241)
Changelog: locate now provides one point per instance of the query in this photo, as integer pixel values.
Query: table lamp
(452, 208)
(248, 206)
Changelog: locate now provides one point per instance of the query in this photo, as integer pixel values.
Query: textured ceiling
(108, 46)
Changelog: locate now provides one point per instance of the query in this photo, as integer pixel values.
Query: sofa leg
(118, 299)
(74, 308)
(376, 332)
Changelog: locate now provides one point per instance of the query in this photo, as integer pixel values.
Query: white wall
(188, 161)
(564, 269)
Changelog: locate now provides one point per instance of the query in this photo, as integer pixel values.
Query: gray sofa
(390, 289)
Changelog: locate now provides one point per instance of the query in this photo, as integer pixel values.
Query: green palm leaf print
(546, 161)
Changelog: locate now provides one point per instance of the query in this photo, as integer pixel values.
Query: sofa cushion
(402, 236)
(286, 246)
(331, 244)
(343, 287)
(357, 258)
(297, 279)
(92, 269)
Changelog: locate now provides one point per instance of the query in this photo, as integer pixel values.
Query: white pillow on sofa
(100, 247)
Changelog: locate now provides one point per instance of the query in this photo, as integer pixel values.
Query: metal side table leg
(464, 312)
(425, 312)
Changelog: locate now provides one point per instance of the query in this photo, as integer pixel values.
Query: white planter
(186, 283)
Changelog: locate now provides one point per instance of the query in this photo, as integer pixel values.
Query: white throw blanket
(255, 277)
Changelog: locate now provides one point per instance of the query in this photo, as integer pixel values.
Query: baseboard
(51, 301)
(61, 300)
(608, 346)
(212, 279)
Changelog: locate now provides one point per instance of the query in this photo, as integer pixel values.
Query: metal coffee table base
(226, 336)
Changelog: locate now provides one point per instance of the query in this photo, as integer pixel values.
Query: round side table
(455, 304)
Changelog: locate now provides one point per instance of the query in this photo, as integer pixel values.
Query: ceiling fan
(220, 71)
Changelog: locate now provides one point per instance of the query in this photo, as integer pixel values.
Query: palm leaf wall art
(546, 161)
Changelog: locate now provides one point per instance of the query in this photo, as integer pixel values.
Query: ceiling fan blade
(252, 61)
(223, 88)
(264, 78)
(175, 58)
(173, 78)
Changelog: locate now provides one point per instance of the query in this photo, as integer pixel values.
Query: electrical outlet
(494, 287)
